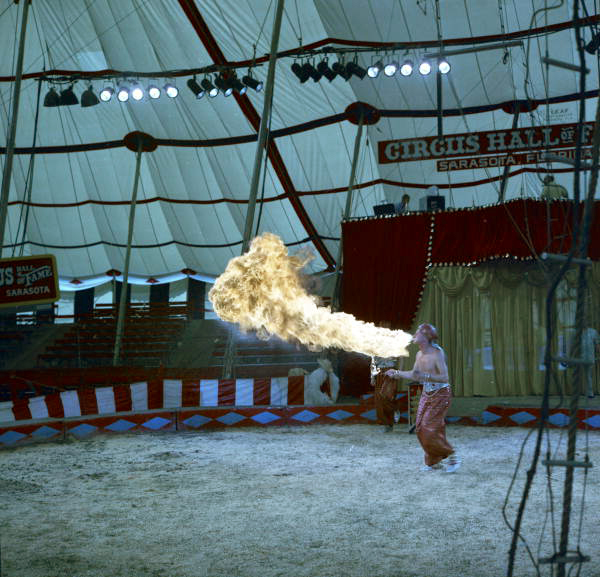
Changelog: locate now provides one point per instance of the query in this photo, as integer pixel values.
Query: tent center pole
(12, 130)
(123, 299)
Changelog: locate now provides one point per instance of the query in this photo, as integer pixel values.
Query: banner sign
(28, 280)
(477, 143)
(502, 160)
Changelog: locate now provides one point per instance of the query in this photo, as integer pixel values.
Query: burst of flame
(262, 290)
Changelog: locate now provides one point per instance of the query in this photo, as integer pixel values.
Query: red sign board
(28, 280)
(491, 142)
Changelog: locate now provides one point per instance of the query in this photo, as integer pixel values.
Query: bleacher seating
(150, 331)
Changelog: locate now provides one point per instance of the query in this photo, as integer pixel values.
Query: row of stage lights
(352, 68)
(225, 84)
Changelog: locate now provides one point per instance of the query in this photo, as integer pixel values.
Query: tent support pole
(264, 127)
(260, 146)
(123, 299)
(10, 142)
(335, 299)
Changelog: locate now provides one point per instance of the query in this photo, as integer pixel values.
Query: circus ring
(243, 489)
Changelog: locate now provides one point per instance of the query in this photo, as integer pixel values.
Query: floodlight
(196, 89)
(209, 87)
(67, 97)
(106, 93)
(123, 93)
(153, 91)
(390, 68)
(52, 98)
(250, 81)
(374, 70)
(424, 68)
(443, 66)
(300, 72)
(171, 90)
(89, 98)
(406, 68)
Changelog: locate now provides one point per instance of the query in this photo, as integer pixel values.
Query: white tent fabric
(193, 198)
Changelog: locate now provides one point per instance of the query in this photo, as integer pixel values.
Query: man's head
(426, 333)
(405, 198)
(548, 179)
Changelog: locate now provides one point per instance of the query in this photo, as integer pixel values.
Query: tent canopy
(72, 175)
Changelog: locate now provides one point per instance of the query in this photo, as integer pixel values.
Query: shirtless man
(431, 370)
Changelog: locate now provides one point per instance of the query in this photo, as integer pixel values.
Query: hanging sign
(28, 280)
(476, 143)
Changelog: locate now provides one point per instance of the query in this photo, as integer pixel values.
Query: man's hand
(392, 373)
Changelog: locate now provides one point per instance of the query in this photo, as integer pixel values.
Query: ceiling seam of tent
(371, 183)
(193, 14)
(304, 127)
(157, 245)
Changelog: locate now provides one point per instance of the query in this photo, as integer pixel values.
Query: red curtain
(384, 267)
(385, 259)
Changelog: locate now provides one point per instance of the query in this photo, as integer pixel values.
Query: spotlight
(443, 66)
(223, 85)
(197, 90)
(52, 98)
(353, 68)
(406, 68)
(88, 98)
(323, 68)
(171, 90)
(67, 97)
(592, 46)
(374, 70)
(390, 68)
(312, 71)
(153, 91)
(209, 87)
(424, 68)
(106, 93)
(300, 72)
(340, 69)
(251, 82)
(137, 92)
(123, 93)
(235, 83)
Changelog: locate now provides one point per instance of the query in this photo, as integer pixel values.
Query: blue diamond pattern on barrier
(265, 417)
(404, 415)
(11, 437)
(370, 415)
(120, 426)
(452, 419)
(197, 421)
(593, 421)
(488, 417)
(305, 416)
(400, 395)
(83, 430)
(230, 418)
(522, 417)
(559, 419)
(156, 423)
(45, 432)
(340, 415)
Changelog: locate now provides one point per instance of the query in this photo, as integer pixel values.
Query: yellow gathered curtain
(491, 321)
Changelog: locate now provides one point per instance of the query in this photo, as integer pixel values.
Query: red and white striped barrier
(158, 395)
